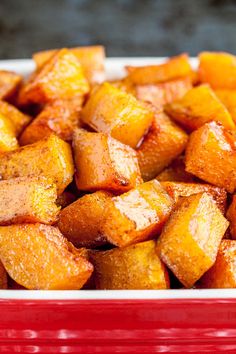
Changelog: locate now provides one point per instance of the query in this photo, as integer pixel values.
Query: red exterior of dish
(118, 326)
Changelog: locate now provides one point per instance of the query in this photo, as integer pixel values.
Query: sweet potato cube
(189, 242)
(3, 277)
(18, 119)
(211, 156)
(110, 110)
(223, 273)
(104, 163)
(218, 69)
(174, 68)
(137, 215)
(61, 117)
(199, 106)
(180, 189)
(163, 93)
(132, 267)
(28, 200)
(60, 78)
(82, 220)
(228, 98)
(8, 139)
(9, 84)
(91, 59)
(50, 157)
(231, 216)
(176, 172)
(37, 256)
(163, 143)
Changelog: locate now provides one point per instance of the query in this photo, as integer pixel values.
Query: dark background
(125, 27)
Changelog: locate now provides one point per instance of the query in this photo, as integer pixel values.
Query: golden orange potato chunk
(28, 200)
(228, 98)
(199, 106)
(8, 139)
(231, 216)
(3, 277)
(112, 111)
(173, 68)
(223, 273)
(9, 84)
(163, 93)
(60, 117)
(60, 78)
(218, 69)
(162, 144)
(132, 267)
(211, 156)
(18, 119)
(91, 58)
(104, 163)
(189, 242)
(37, 256)
(176, 172)
(137, 215)
(180, 189)
(50, 157)
(81, 221)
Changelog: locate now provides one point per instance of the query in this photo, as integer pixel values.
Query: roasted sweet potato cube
(189, 242)
(61, 117)
(137, 215)
(28, 200)
(104, 163)
(110, 110)
(82, 220)
(218, 69)
(228, 98)
(60, 78)
(176, 172)
(231, 216)
(91, 58)
(180, 189)
(163, 93)
(223, 273)
(163, 143)
(132, 267)
(211, 156)
(37, 256)
(50, 157)
(174, 68)
(9, 84)
(8, 139)
(18, 119)
(3, 277)
(199, 106)
(125, 85)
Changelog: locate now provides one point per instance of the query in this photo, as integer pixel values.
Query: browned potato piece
(28, 199)
(50, 157)
(112, 111)
(211, 155)
(104, 163)
(180, 189)
(3, 277)
(228, 98)
(65, 199)
(197, 107)
(173, 68)
(82, 220)
(8, 139)
(60, 78)
(91, 58)
(60, 117)
(223, 273)
(18, 119)
(231, 216)
(137, 215)
(163, 143)
(176, 172)
(189, 242)
(9, 84)
(37, 256)
(133, 267)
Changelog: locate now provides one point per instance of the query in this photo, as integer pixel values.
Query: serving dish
(180, 321)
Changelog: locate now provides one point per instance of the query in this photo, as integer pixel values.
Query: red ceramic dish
(161, 321)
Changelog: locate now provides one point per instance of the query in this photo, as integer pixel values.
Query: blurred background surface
(125, 27)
